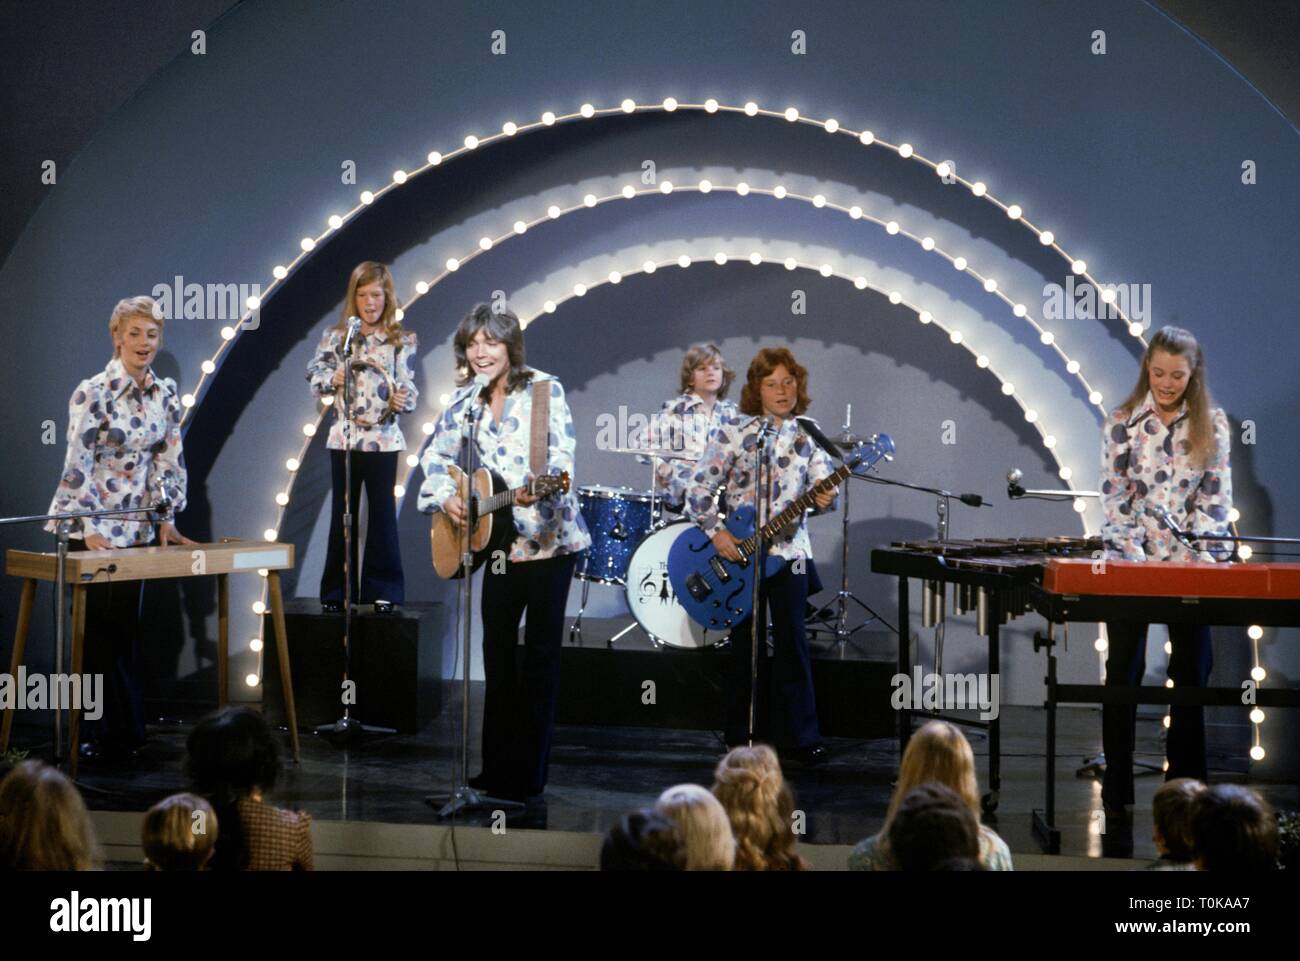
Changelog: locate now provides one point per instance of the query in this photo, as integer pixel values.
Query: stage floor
(598, 774)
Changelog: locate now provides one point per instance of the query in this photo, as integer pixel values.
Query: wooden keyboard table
(219, 559)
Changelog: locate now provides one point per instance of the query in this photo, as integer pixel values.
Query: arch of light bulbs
(780, 192)
(906, 151)
(509, 129)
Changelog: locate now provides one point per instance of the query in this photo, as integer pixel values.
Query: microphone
(1014, 477)
(971, 500)
(354, 328)
(481, 383)
(825, 443)
(765, 425)
(162, 500)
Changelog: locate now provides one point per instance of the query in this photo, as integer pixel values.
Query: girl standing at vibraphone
(385, 346)
(124, 452)
(1164, 449)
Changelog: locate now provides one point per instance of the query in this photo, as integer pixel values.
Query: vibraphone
(992, 577)
(218, 559)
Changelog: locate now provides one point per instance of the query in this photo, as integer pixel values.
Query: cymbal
(662, 454)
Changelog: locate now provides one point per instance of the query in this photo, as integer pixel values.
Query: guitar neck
(498, 501)
(795, 510)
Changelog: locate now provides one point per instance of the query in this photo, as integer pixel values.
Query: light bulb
(706, 186)
(579, 290)
(670, 104)
(452, 264)
(927, 243)
(250, 680)
(1047, 337)
(905, 150)
(367, 197)
(587, 110)
(891, 228)
(589, 200)
(1046, 238)
(1257, 753)
(751, 109)
(742, 189)
(756, 258)
(1014, 211)
(485, 243)
(291, 464)
(399, 176)
(434, 158)
(832, 125)
(548, 118)
(309, 430)
(187, 400)
(791, 114)
(1079, 266)
(711, 106)
(282, 498)
(866, 137)
(959, 263)
(990, 285)
(666, 187)
(895, 297)
(1049, 441)
(1257, 673)
(978, 188)
(628, 106)
(1008, 388)
(819, 200)
(648, 266)
(509, 128)
(255, 645)
(1255, 632)
(790, 263)
(1100, 644)
(683, 261)
(279, 271)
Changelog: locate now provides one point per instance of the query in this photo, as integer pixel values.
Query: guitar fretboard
(795, 509)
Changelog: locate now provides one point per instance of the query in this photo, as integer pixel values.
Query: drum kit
(631, 534)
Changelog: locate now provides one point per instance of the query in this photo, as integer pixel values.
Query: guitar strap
(541, 428)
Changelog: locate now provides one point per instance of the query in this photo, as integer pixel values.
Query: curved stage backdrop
(896, 205)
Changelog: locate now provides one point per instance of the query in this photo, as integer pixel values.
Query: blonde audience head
(703, 826)
(44, 825)
(760, 806)
(179, 833)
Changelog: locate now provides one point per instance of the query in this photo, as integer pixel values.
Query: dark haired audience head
(1234, 830)
(232, 755)
(933, 829)
(44, 825)
(642, 841)
(1171, 810)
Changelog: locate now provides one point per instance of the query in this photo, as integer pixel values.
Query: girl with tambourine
(1165, 449)
(383, 386)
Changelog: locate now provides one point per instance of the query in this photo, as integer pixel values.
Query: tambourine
(363, 415)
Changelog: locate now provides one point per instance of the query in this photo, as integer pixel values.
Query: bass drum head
(650, 595)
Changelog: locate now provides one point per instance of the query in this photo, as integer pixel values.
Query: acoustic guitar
(488, 533)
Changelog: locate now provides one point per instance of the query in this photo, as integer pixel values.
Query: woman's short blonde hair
(131, 307)
(174, 839)
(703, 826)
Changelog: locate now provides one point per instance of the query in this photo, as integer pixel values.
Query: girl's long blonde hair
(1200, 424)
(365, 273)
(938, 753)
(760, 806)
(44, 825)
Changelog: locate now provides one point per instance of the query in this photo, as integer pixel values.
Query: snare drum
(617, 518)
(650, 596)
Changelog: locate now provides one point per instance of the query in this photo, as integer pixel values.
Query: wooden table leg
(20, 648)
(282, 649)
(223, 639)
(78, 643)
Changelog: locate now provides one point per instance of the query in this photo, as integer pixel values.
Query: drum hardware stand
(463, 797)
(348, 728)
(61, 538)
(836, 610)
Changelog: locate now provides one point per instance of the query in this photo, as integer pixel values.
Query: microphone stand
(348, 728)
(463, 797)
(61, 537)
(762, 499)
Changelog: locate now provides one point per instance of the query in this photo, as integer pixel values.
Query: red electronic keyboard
(1167, 592)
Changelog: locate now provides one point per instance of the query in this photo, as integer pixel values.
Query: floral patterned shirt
(796, 464)
(370, 390)
(682, 426)
(868, 855)
(1146, 466)
(549, 528)
(124, 449)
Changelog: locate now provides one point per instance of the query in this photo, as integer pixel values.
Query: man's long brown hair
(765, 361)
(1200, 426)
(501, 325)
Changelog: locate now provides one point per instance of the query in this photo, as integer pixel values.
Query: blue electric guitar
(718, 593)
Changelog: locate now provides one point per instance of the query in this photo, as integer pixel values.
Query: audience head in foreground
(234, 762)
(760, 806)
(938, 753)
(643, 841)
(702, 826)
(44, 825)
(1234, 830)
(1171, 811)
(179, 833)
(934, 830)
